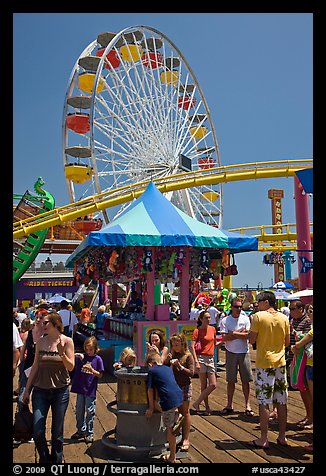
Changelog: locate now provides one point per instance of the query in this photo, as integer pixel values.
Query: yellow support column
(227, 282)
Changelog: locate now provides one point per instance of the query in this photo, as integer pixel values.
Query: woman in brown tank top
(49, 377)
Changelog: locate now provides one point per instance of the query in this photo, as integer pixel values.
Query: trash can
(136, 437)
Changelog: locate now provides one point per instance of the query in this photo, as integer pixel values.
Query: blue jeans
(85, 422)
(42, 400)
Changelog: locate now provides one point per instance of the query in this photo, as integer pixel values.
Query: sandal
(185, 447)
(227, 411)
(306, 426)
(195, 408)
(256, 445)
(249, 413)
(167, 460)
(279, 442)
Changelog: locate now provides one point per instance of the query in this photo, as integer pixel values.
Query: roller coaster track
(118, 196)
(284, 240)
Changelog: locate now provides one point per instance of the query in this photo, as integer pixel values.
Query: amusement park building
(44, 281)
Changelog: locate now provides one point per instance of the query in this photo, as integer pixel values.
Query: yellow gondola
(131, 52)
(169, 77)
(211, 196)
(86, 82)
(198, 131)
(78, 173)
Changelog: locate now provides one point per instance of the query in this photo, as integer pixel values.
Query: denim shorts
(187, 392)
(309, 372)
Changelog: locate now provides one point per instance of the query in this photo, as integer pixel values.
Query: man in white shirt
(285, 309)
(214, 314)
(21, 315)
(68, 318)
(195, 311)
(17, 345)
(235, 330)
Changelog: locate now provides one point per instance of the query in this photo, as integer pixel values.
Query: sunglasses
(293, 308)
(44, 323)
(239, 307)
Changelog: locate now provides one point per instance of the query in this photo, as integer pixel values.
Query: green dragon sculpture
(34, 242)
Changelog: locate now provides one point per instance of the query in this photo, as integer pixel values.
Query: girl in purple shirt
(89, 368)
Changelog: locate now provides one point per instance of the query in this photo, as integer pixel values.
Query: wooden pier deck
(214, 439)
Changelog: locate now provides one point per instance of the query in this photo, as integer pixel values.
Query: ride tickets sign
(48, 282)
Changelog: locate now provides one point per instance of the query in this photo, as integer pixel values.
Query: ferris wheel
(134, 110)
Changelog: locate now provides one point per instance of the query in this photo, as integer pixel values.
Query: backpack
(23, 425)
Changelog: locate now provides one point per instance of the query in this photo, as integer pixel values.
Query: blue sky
(255, 70)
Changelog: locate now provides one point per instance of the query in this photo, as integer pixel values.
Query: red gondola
(152, 60)
(112, 57)
(206, 163)
(78, 122)
(186, 102)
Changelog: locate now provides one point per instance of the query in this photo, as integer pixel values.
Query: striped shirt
(301, 325)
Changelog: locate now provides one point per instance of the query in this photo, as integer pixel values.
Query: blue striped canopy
(152, 220)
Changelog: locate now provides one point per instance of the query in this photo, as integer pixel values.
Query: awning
(152, 220)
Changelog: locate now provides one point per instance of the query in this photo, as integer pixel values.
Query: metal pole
(303, 235)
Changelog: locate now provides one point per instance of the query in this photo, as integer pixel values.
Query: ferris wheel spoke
(133, 93)
(116, 136)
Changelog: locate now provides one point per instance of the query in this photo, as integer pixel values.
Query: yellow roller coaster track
(285, 240)
(118, 196)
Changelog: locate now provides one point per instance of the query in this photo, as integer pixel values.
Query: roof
(152, 220)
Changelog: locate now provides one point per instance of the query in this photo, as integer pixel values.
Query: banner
(48, 282)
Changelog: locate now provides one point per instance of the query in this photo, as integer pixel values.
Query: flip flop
(249, 413)
(309, 448)
(184, 447)
(282, 444)
(306, 426)
(195, 408)
(256, 445)
(227, 411)
(166, 459)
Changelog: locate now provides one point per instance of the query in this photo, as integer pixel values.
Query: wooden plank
(222, 441)
(213, 438)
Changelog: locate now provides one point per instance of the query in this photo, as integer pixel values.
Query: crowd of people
(50, 368)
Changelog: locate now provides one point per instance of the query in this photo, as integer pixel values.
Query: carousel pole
(184, 287)
(150, 309)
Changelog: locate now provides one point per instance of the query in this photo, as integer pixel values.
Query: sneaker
(78, 435)
(89, 439)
